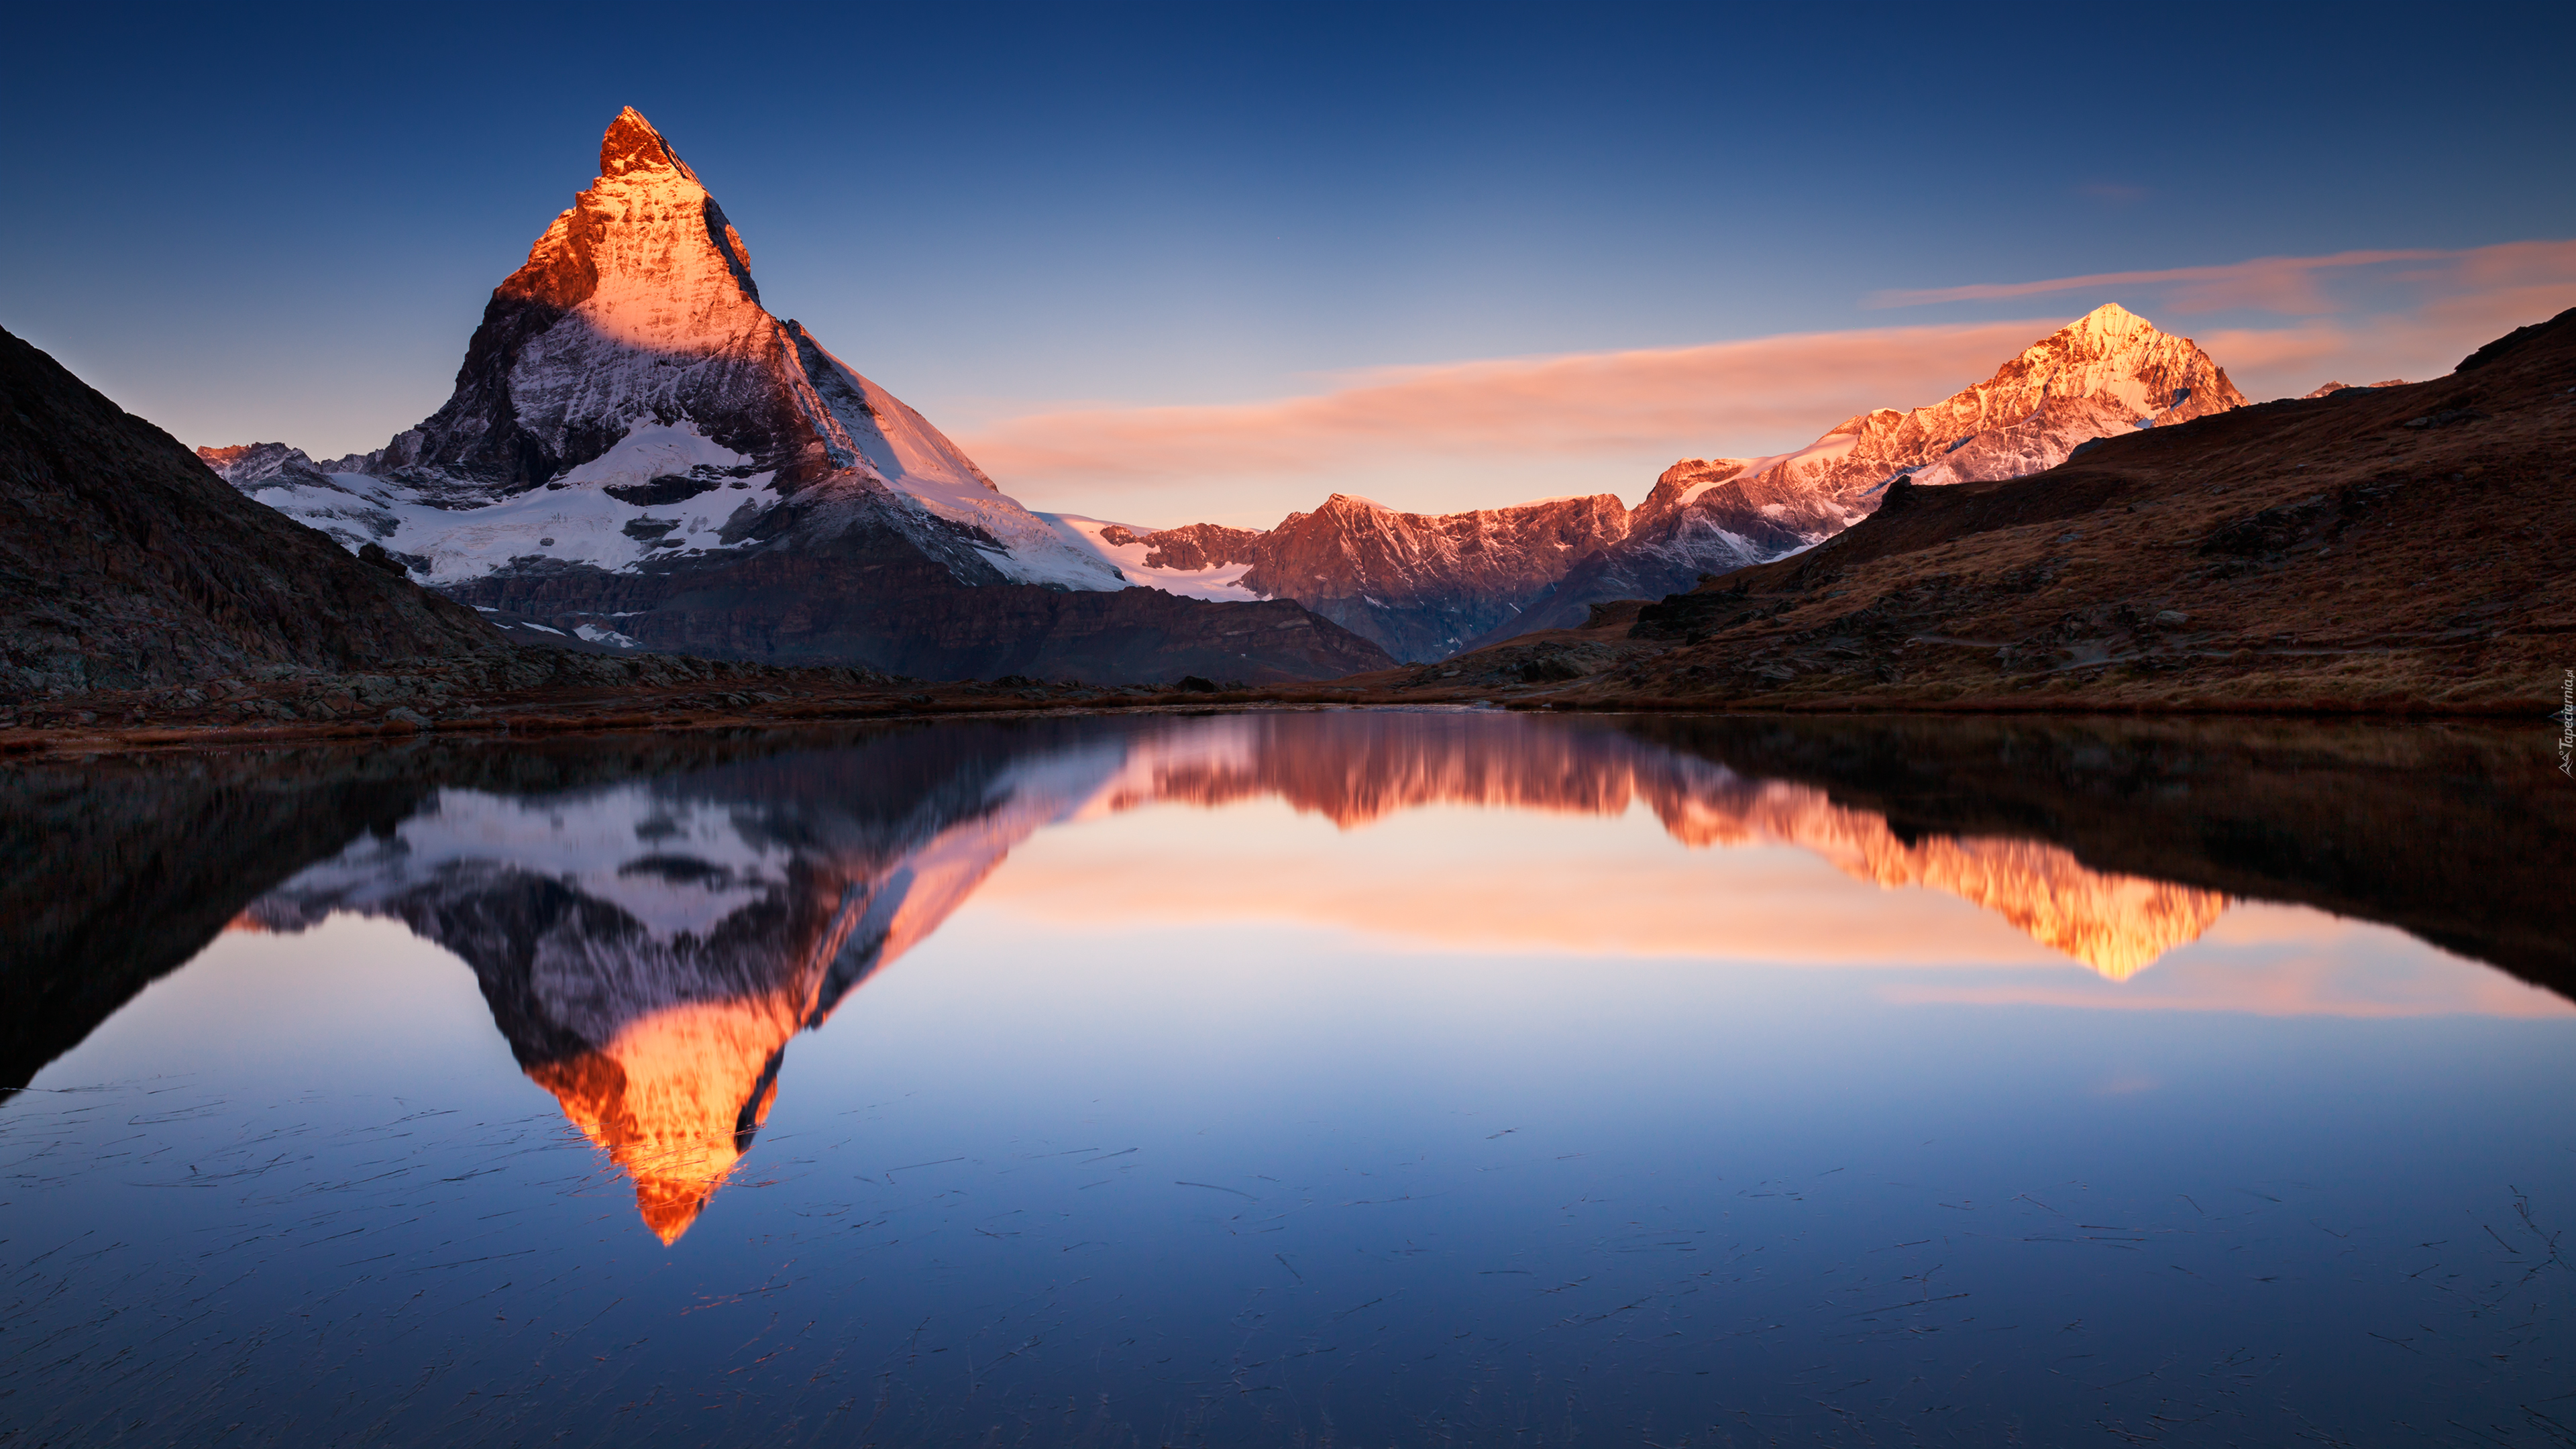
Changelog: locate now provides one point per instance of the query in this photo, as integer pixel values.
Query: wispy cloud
(1583, 410)
(2292, 286)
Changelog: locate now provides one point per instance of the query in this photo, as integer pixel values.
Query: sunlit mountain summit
(628, 403)
(650, 949)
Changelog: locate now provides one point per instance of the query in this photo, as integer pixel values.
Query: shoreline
(504, 719)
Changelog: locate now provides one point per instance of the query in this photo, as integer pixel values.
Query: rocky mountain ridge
(124, 564)
(1419, 584)
(1427, 586)
(2387, 550)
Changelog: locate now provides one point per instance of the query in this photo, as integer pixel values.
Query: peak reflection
(649, 947)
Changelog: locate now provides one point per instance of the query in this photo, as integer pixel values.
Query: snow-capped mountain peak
(633, 339)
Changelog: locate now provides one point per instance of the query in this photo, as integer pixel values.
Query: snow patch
(572, 520)
(1223, 584)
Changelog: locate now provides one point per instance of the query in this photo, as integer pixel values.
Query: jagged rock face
(1192, 548)
(1420, 584)
(2108, 373)
(252, 463)
(637, 303)
(125, 564)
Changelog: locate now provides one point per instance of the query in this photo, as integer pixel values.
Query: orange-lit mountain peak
(675, 1099)
(645, 258)
(2116, 924)
(631, 144)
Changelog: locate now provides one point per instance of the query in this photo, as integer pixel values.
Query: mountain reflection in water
(1298, 1078)
(649, 945)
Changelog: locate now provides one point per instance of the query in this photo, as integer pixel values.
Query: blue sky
(1080, 223)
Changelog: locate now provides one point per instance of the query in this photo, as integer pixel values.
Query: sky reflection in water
(1366, 1078)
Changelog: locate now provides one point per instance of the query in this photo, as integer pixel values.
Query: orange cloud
(1575, 412)
(2274, 284)
(2293, 286)
(2278, 960)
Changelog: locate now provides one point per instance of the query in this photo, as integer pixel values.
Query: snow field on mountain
(571, 520)
(1223, 584)
(920, 464)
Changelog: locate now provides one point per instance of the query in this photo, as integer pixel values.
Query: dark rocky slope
(125, 563)
(868, 598)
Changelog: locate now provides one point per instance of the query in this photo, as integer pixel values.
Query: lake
(1302, 1078)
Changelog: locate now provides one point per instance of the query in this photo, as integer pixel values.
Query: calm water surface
(1365, 1079)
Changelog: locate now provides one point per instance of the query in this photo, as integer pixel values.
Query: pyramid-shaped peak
(633, 145)
(2110, 320)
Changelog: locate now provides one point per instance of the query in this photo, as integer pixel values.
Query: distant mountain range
(639, 454)
(1427, 586)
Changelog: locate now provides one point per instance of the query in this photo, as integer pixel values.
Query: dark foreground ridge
(125, 564)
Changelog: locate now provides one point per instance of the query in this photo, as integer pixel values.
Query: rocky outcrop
(1420, 584)
(2107, 374)
(125, 564)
